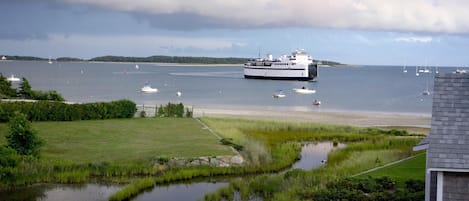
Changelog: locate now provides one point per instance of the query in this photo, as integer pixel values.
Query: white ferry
(298, 66)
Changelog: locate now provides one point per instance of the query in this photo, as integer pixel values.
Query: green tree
(22, 137)
(25, 89)
(6, 91)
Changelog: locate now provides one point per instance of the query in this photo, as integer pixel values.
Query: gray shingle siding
(449, 136)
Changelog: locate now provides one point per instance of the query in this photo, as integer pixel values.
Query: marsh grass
(366, 148)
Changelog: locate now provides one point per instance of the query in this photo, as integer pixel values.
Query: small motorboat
(279, 94)
(317, 102)
(12, 78)
(178, 94)
(304, 90)
(136, 66)
(148, 89)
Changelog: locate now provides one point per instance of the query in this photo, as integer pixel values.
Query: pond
(313, 155)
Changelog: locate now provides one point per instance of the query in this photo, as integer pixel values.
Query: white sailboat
(50, 61)
(404, 69)
(417, 71)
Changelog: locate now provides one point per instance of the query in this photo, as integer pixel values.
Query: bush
(8, 157)
(22, 137)
(59, 111)
(173, 110)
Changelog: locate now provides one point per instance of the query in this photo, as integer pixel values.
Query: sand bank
(329, 117)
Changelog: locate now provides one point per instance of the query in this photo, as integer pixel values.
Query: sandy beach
(339, 118)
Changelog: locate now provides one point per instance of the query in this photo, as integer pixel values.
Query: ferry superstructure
(298, 66)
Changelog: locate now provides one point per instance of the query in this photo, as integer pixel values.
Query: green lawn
(124, 140)
(409, 169)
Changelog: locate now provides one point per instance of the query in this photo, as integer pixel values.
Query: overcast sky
(396, 32)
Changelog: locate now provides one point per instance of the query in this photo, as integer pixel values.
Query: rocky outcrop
(215, 161)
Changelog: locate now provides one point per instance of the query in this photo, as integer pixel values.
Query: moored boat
(304, 90)
(12, 78)
(148, 89)
(279, 94)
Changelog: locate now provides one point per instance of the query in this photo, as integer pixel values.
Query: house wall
(456, 186)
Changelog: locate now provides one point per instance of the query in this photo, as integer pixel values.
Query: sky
(370, 32)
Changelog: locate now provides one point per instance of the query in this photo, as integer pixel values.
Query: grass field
(409, 169)
(124, 140)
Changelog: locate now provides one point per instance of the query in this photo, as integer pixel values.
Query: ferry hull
(310, 73)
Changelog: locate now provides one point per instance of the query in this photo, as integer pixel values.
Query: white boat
(460, 71)
(404, 69)
(148, 89)
(178, 94)
(12, 78)
(298, 66)
(50, 61)
(136, 66)
(417, 71)
(304, 90)
(4, 58)
(279, 94)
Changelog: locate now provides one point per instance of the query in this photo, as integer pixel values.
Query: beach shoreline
(353, 118)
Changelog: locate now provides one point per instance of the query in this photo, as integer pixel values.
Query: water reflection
(180, 192)
(60, 192)
(314, 154)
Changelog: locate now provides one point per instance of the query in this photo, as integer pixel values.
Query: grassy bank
(75, 151)
(366, 148)
(413, 168)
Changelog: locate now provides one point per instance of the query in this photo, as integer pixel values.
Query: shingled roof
(448, 142)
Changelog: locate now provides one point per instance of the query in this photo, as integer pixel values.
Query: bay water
(381, 89)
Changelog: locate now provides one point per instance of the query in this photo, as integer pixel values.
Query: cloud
(128, 45)
(414, 39)
(437, 16)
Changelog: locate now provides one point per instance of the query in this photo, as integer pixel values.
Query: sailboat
(50, 61)
(436, 70)
(404, 70)
(417, 71)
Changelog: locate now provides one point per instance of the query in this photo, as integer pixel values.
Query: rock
(237, 160)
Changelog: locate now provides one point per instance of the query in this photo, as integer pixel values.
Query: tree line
(157, 59)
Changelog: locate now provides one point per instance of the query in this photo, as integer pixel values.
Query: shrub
(59, 111)
(8, 157)
(143, 114)
(173, 110)
(22, 137)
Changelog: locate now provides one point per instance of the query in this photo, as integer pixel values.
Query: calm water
(362, 88)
